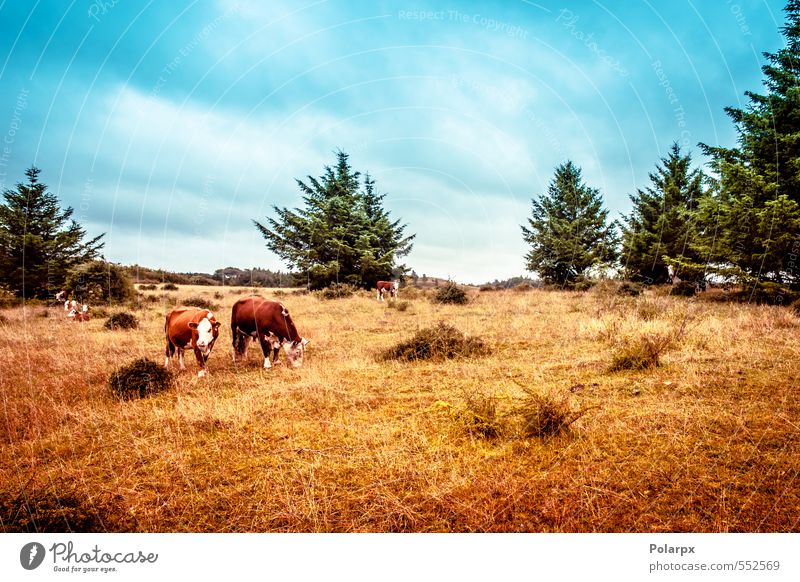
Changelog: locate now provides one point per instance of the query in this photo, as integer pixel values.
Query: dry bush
(398, 305)
(169, 287)
(640, 352)
(439, 342)
(201, 302)
(547, 415)
(140, 378)
(123, 320)
(451, 293)
(683, 289)
(147, 287)
(336, 291)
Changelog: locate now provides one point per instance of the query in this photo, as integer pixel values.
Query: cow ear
(304, 341)
(192, 325)
(217, 324)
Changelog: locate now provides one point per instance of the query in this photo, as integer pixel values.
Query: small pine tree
(39, 242)
(568, 230)
(342, 235)
(662, 222)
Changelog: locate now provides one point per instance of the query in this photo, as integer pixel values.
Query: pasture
(705, 442)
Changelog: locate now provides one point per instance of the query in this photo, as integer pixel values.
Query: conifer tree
(568, 230)
(661, 226)
(342, 234)
(39, 242)
(751, 217)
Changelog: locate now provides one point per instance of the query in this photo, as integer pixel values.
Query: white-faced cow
(82, 315)
(270, 323)
(190, 327)
(387, 287)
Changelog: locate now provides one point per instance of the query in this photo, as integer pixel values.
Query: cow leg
(180, 359)
(266, 349)
(170, 351)
(201, 362)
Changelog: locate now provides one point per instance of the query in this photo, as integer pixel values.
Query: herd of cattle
(252, 318)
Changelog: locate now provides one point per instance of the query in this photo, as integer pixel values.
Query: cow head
(295, 351)
(205, 333)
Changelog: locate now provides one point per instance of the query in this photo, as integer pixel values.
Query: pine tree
(39, 242)
(750, 218)
(342, 235)
(568, 230)
(661, 226)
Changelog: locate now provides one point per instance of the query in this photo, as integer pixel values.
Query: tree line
(736, 222)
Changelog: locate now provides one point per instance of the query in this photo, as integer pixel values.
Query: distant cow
(190, 327)
(269, 322)
(389, 287)
(82, 315)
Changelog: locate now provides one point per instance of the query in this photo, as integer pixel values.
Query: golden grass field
(705, 442)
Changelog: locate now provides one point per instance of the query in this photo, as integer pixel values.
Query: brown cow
(190, 327)
(389, 287)
(268, 321)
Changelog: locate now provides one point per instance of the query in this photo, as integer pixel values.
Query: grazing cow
(269, 322)
(190, 327)
(389, 287)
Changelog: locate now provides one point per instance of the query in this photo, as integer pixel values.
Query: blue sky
(170, 127)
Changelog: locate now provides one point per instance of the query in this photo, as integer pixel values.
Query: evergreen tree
(39, 242)
(342, 235)
(661, 226)
(568, 230)
(750, 218)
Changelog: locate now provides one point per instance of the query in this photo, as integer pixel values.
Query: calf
(269, 322)
(190, 327)
(389, 287)
(82, 315)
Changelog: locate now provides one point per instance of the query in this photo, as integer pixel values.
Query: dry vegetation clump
(147, 287)
(451, 293)
(140, 378)
(479, 416)
(547, 415)
(440, 342)
(201, 302)
(122, 320)
(169, 287)
(337, 291)
(398, 305)
(683, 289)
(48, 512)
(640, 352)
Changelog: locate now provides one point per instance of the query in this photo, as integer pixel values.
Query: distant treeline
(233, 276)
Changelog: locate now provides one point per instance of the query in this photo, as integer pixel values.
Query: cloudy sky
(170, 126)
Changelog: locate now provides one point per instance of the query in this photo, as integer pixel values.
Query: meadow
(706, 441)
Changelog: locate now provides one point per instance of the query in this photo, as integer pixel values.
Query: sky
(171, 126)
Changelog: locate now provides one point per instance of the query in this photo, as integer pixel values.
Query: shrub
(439, 342)
(8, 299)
(398, 305)
(683, 289)
(140, 378)
(583, 284)
(121, 320)
(336, 291)
(766, 293)
(218, 295)
(796, 307)
(487, 287)
(148, 287)
(48, 512)
(201, 302)
(99, 282)
(451, 293)
(169, 287)
(629, 289)
(546, 416)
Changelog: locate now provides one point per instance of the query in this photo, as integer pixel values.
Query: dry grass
(706, 441)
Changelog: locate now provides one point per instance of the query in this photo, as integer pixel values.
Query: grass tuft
(547, 415)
